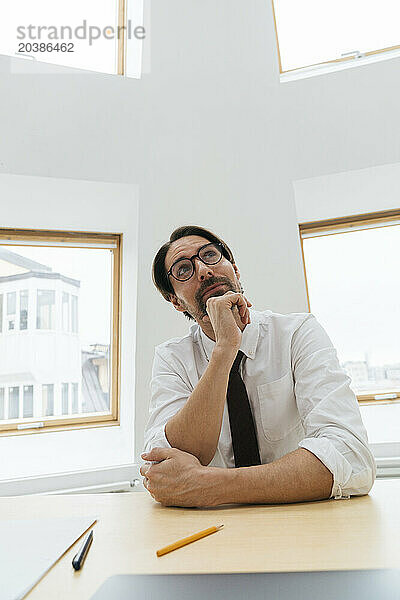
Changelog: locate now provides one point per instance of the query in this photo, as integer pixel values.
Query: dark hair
(159, 273)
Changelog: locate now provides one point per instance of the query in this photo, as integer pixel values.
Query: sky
(100, 56)
(313, 31)
(354, 289)
(93, 268)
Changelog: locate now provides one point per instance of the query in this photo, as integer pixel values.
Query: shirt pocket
(278, 409)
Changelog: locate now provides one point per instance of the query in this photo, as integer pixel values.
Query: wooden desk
(359, 533)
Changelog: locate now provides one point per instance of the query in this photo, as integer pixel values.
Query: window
(13, 402)
(1, 313)
(311, 32)
(28, 401)
(64, 398)
(352, 267)
(2, 404)
(11, 309)
(68, 373)
(65, 311)
(75, 404)
(74, 314)
(89, 34)
(23, 309)
(45, 318)
(48, 399)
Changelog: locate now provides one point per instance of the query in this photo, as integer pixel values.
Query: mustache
(212, 281)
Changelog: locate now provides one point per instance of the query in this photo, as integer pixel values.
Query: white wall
(350, 193)
(211, 104)
(211, 137)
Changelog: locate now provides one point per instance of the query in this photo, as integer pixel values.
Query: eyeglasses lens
(183, 269)
(210, 254)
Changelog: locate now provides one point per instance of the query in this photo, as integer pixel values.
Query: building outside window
(48, 399)
(67, 367)
(28, 401)
(11, 309)
(23, 309)
(13, 402)
(45, 311)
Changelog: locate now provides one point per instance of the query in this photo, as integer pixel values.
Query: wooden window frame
(345, 224)
(121, 50)
(333, 61)
(75, 238)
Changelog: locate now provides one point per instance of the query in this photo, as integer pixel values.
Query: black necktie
(244, 439)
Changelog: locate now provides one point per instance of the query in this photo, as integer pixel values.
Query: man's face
(192, 295)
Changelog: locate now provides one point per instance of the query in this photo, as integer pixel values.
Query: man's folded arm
(334, 431)
(186, 418)
(169, 392)
(296, 477)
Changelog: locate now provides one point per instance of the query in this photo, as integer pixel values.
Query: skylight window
(312, 32)
(95, 35)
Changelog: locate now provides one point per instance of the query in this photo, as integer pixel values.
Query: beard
(198, 311)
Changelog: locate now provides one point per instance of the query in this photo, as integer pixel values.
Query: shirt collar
(249, 338)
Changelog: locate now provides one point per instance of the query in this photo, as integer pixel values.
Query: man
(249, 407)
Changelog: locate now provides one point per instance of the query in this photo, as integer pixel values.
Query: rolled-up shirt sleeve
(169, 393)
(329, 411)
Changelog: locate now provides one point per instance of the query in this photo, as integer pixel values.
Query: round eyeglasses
(183, 269)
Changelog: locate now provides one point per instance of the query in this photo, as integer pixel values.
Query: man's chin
(203, 303)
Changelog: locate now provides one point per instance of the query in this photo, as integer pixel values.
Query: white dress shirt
(298, 393)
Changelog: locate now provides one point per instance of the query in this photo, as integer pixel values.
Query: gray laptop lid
(328, 585)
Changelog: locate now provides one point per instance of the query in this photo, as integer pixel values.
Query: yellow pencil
(188, 540)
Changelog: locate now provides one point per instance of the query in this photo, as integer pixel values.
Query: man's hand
(228, 315)
(178, 480)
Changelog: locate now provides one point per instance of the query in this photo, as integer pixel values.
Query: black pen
(79, 558)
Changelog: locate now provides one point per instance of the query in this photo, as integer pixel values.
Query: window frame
(48, 387)
(65, 315)
(73, 239)
(10, 315)
(49, 315)
(10, 396)
(334, 61)
(23, 319)
(340, 225)
(121, 48)
(74, 325)
(2, 402)
(25, 387)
